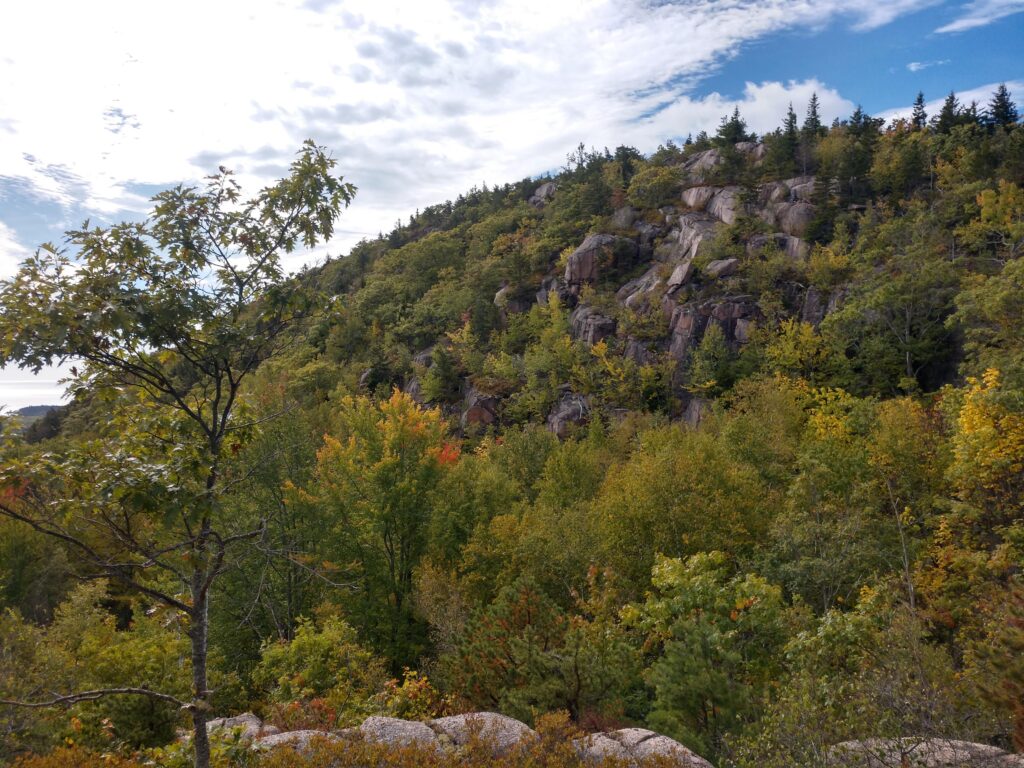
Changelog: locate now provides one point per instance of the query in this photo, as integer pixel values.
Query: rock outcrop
(590, 326)
(503, 733)
(478, 409)
(721, 268)
(631, 744)
(921, 753)
(734, 315)
(595, 252)
(570, 411)
(542, 194)
(247, 725)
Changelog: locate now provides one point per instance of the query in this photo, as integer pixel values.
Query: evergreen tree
(950, 116)
(919, 118)
(732, 130)
(1001, 110)
(812, 122)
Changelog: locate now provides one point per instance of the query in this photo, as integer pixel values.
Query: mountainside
(725, 443)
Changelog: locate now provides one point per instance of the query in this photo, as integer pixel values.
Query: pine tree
(732, 130)
(812, 122)
(919, 118)
(1001, 110)
(950, 116)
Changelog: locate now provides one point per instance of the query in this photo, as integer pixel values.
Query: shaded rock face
(793, 247)
(698, 198)
(570, 410)
(700, 166)
(637, 744)
(818, 306)
(553, 286)
(590, 326)
(921, 753)
(636, 292)
(584, 264)
(512, 301)
(695, 233)
(680, 276)
(542, 194)
(735, 316)
(791, 218)
(623, 218)
(640, 352)
(725, 205)
(722, 268)
(696, 409)
(479, 409)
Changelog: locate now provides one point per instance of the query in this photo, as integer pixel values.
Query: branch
(74, 698)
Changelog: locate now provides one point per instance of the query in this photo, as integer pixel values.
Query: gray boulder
(590, 326)
(734, 315)
(479, 409)
(698, 198)
(542, 194)
(636, 292)
(584, 263)
(640, 744)
(553, 286)
(793, 218)
(300, 741)
(570, 411)
(401, 733)
(725, 205)
(502, 733)
(721, 268)
(247, 724)
(920, 753)
(623, 218)
(696, 231)
(680, 276)
(700, 166)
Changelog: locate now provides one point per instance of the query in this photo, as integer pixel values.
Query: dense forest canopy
(726, 441)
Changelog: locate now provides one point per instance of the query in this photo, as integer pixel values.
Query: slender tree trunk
(198, 634)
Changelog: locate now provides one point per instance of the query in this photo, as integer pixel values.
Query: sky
(103, 104)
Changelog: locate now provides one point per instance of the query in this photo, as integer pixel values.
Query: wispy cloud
(418, 101)
(917, 66)
(980, 13)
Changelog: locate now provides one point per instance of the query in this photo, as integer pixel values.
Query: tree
(732, 130)
(810, 132)
(950, 116)
(919, 118)
(375, 484)
(168, 318)
(1001, 110)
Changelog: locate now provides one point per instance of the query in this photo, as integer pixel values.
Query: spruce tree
(950, 116)
(732, 130)
(919, 118)
(1001, 110)
(812, 122)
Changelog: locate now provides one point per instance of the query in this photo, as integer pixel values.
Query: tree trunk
(200, 694)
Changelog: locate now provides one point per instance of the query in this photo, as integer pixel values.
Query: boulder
(553, 286)
(801, 189)
(793, 247)
(424, 358)
(721, 268)
(725, 205)
(641, 744)
(400, 733)
(598, 747)
(501, 732)
(570, 411)
(680, 275)
(689, 321)
(700, 166)
(695, 411)
(698, 198)
(542, 194)
(793, 218)
(921, 753)
(639, 352)
(512, 301)
(297, 740)
(247, 724)
(479, 409)
(584, 264)
(635, 293)
(590, 326)
(753, 149)
(696, 231)
(623, 218)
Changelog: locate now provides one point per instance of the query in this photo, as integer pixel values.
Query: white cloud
(982, 95)
(12, 253)
(418, 101)
(981, 13)
(917, 66)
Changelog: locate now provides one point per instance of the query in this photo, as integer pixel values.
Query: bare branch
(74, 698)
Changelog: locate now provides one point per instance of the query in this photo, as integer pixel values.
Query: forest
(726, 441)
